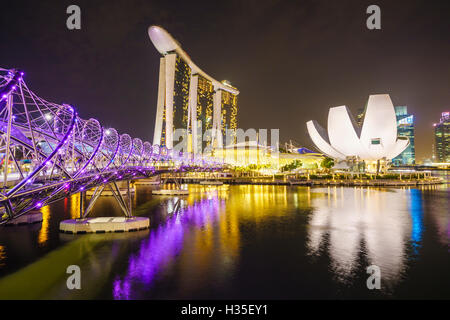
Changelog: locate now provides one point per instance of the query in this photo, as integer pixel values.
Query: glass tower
(442, 138)
(405, 128)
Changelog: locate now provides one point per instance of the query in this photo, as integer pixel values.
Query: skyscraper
(405, 128)
(204, 107)
(190, 99)
(228, 103)
(442, 138)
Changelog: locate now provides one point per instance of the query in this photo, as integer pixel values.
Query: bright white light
(107, 132)
(48, 116)
(345, 139)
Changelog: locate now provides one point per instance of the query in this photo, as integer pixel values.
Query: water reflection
(240, 241)
(165, 243)
(375, 223)
(199, 242)
(201, 235)
(437, 204)
(416, 211)
(44, 232)
(74, 206)
(95, 254)
(2, 256)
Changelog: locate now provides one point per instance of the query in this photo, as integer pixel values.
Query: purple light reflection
(162, 246)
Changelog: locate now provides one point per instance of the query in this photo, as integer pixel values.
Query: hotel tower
(190, 99)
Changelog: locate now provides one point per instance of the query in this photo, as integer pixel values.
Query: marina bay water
(242, 241)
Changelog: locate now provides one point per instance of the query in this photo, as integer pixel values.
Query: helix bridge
(48, 153)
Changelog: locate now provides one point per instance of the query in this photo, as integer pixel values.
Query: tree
(282, 150)
(291, 166)
(327, 163)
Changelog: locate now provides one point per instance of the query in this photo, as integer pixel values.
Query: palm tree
(327, 163)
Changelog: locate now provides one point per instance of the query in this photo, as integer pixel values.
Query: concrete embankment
(326, 182)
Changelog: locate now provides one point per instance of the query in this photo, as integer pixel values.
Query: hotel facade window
(181, 94)
(229, 116)
(205, 95)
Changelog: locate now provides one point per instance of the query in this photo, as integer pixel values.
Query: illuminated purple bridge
(48, 152)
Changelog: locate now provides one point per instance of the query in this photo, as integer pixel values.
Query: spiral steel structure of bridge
(48, 152)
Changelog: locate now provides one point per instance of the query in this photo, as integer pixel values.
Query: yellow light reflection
(2, 256)
(75, 206)
(43, 233)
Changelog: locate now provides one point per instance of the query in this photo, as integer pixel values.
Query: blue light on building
(405, 128)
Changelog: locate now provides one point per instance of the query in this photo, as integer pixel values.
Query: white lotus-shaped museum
(375, 140)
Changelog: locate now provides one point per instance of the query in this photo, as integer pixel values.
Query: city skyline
(163, 151)
(281, 62)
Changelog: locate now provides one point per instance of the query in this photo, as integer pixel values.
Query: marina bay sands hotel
(190, 99)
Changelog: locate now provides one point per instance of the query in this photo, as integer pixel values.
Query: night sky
(291, 60)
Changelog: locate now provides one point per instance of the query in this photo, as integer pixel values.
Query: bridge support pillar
(177, 191)
(130, 207)
(82, 202)
(105, 224)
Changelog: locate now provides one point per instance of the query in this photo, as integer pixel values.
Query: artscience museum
(374, 144)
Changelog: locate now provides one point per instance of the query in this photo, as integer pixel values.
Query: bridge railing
(47, 151)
